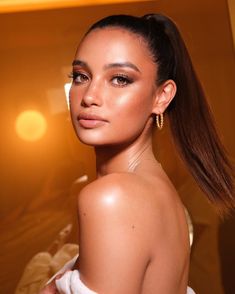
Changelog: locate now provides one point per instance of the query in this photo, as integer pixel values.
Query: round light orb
(30, 125)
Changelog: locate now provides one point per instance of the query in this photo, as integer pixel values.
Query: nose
(91, 96)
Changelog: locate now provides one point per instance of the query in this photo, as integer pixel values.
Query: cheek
(133, 105)
(75, 98)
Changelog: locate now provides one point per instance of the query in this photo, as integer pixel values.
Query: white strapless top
(70, 282)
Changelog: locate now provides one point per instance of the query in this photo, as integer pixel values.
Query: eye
(79, 78)
(121, 80)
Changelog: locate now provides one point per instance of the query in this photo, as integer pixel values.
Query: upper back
(148, 210)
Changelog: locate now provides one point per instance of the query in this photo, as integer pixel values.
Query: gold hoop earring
(159, 121)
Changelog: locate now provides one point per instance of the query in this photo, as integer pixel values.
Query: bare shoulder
(115, 234)
(122, 200)
(140, 202)
(127, 222)
(126, 195)
(120, 190)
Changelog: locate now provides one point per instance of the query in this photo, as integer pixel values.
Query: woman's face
(113, 90)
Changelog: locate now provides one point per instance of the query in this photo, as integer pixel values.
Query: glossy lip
(90, 116)
(89, 121)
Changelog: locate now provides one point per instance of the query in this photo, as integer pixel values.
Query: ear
(164, 94)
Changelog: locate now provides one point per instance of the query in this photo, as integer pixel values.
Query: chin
(99, 137)
(104, 142)
(92, 139)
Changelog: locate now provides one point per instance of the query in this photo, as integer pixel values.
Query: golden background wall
(39, 179)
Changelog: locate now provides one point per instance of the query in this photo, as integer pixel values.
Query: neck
(125, 158)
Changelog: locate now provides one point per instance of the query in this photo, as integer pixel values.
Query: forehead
(114, 44)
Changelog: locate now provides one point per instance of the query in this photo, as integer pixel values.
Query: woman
(133, 236)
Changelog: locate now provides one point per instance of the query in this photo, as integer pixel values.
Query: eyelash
(75, 75)
(125, 80)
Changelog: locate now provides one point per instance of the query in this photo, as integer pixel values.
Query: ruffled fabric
(70, 283)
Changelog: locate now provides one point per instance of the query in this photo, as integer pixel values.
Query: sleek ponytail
(191, 120)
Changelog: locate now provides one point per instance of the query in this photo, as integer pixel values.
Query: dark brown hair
(191, 120)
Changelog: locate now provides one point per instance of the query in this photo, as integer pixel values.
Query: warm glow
(67, 87)
(25, 5)
(30, 125)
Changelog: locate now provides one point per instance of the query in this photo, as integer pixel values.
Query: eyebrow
(108, 66)
(122, 64)
(79, 62)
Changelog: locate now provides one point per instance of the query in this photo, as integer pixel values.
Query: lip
(89, 121)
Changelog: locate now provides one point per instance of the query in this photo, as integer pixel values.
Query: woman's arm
(114, 236)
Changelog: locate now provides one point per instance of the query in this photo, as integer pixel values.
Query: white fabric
(70, 282)
(190, 291)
